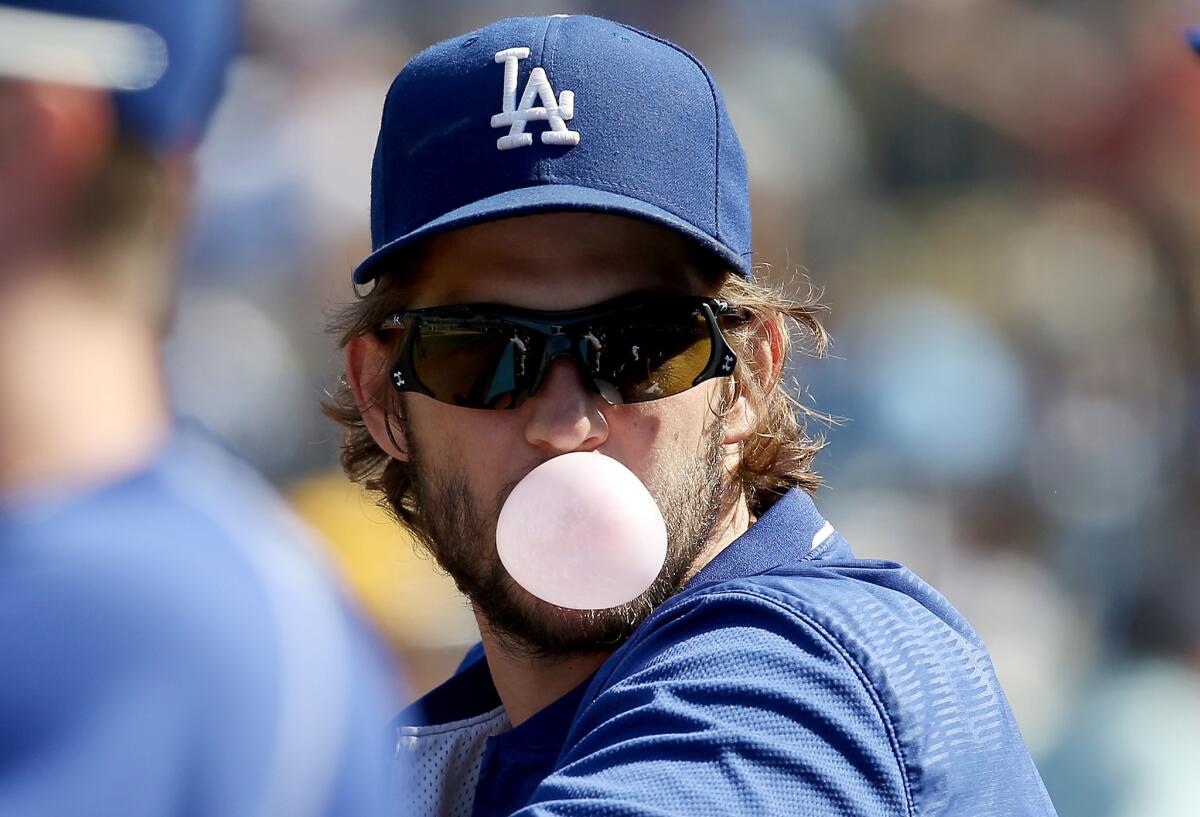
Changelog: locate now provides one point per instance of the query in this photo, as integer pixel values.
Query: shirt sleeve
(736, 704)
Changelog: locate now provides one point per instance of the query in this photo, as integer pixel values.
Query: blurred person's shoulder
(182, 606)
(194, 556)
(194, 526)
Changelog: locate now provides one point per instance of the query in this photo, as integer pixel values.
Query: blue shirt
(169, 645)
(788, 677)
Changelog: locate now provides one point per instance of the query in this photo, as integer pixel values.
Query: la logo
(555, 111)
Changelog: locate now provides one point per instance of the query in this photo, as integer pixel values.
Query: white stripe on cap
(79, 50)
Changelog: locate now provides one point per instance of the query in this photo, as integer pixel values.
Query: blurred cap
(541, 114)
(164, 60)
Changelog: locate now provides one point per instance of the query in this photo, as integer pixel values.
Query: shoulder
(741, 680)
(889, 624)
(132, 583)
(857, 636)
(876, 615)
(184, 607)
(116, 637)
(190, 569)
(144, 550)
(865, 659)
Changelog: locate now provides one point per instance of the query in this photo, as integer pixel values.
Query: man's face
(466, 461)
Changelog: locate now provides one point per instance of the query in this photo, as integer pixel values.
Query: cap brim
(92, 52)
(546, 199)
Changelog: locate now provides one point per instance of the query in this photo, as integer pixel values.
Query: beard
(462, 541)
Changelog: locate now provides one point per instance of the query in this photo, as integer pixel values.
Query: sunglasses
(633, 349)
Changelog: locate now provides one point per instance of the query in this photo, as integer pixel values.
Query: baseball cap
(542, 114)
(163, 60)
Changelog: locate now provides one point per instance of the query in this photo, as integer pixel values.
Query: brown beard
(462, 541)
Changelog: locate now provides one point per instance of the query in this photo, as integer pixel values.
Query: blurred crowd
(1000, 200)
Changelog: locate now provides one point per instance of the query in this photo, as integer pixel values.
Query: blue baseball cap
(545, 114)
(163, 60)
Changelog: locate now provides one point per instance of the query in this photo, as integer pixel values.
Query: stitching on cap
(416, 59)
(543, 60)
(712, 90)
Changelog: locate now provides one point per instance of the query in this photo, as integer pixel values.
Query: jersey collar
(790, 530)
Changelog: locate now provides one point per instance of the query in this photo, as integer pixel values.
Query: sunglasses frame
(556, 327)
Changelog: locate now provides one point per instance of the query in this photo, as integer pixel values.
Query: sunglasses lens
(474, 365)
(489, 360)
(648, 358)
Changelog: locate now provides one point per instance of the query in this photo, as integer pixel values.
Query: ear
(53, 139)
(74, 129)
(368, 379)
(764, 368)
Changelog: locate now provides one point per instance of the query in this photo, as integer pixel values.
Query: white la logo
(537, 89)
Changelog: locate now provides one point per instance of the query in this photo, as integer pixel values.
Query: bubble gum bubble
(581, 531)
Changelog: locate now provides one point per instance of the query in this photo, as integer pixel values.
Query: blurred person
(560, 226)
(170, 642)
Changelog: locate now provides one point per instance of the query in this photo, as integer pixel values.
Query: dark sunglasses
(633, 349)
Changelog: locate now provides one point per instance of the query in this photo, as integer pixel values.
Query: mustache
(506, 489)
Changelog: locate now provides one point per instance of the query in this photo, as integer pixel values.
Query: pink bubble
(582, 532)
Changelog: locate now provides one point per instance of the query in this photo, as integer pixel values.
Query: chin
(525, 625)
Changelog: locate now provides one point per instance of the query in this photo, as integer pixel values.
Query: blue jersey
(787, 678)
(169, 645)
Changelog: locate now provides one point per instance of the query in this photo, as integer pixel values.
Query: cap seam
(384, 224)
(383, 154)
(545, 61)
(716, 120)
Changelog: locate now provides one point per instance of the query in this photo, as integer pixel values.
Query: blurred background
(1001, 202)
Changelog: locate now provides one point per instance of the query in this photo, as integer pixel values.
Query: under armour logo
(555, 111)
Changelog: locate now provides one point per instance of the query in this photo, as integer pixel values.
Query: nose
(565, 415)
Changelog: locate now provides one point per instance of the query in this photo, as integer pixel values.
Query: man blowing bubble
(566, 382)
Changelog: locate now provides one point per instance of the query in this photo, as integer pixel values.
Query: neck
(81, 398)
(528, 685)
